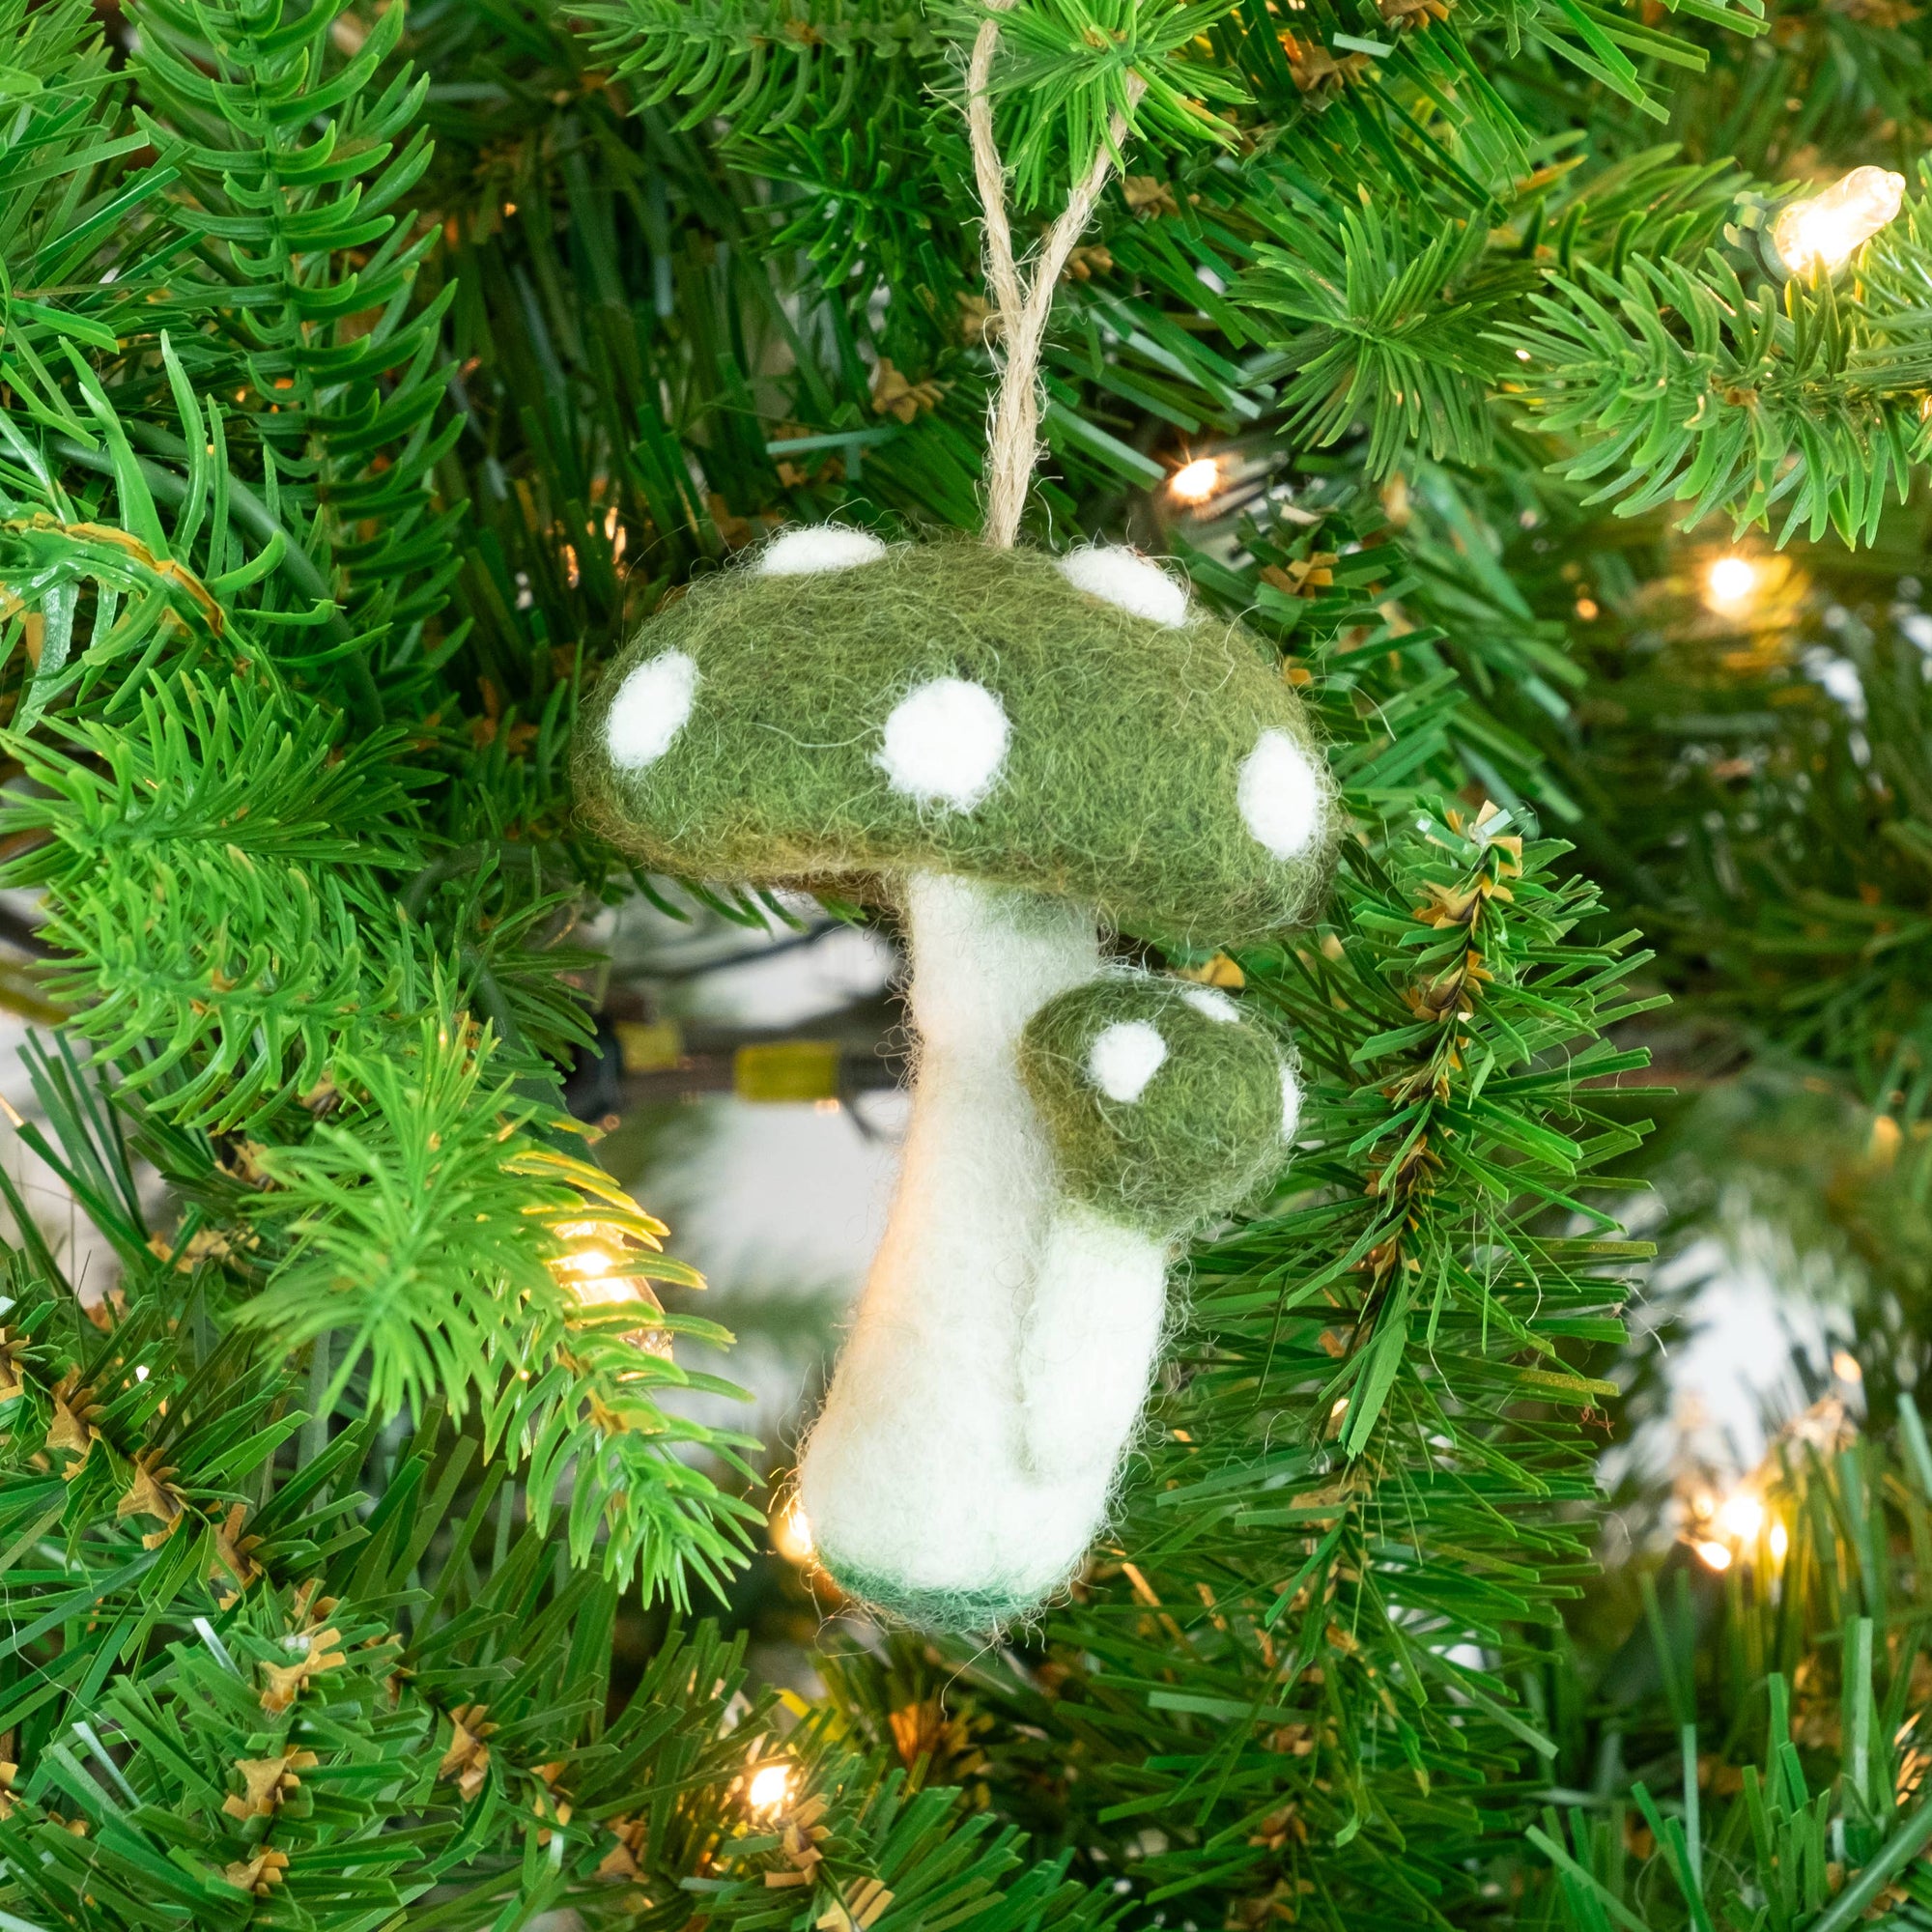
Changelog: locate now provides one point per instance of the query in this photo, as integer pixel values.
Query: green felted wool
(960, 1612)
(1207, 1127)
(1122, 783)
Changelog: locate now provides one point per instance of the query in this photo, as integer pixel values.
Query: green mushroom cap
(1165, 1107)
(956, 709)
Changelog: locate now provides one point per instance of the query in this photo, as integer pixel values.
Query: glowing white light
(1714, 1555)
(1195, 482)
(1742, 1517)
(1780, 1540)
(770, 1789)
(597, 1275)
(1730, 584)
(791, 1535)
(1823, 232)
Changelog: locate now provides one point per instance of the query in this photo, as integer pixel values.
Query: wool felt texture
(922, 1487)
(1162, 773)
(1019, 751)
(1134, 583)
(1203, 1126)
(1087, 1350)
(803, 553)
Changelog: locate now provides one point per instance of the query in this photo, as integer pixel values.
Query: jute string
(1022, 294)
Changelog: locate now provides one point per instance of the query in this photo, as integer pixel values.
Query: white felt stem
(1088, 1345)
(930, 1467)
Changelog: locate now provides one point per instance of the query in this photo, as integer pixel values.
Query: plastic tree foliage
(368, 372)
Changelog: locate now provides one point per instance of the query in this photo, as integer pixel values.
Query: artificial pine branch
(646, 261)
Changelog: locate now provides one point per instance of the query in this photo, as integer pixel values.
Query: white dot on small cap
(1127, 579)
(1124, 1058)
(818, 548)
(1216, 1006)
(945, 743)
(1279, 795)
(650, 710)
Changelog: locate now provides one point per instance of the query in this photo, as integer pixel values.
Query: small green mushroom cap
(1164, 1106)
(951, 708)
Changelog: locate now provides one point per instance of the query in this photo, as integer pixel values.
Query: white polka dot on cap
(652, 707)
(1125, 1056)
(1129, 581)
(819, 547)
(1279, 795)
(945, 743)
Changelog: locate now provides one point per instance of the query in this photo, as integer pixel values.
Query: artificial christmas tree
(1519, 378)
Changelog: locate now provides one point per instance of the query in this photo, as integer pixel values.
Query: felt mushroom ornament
(1024, 754)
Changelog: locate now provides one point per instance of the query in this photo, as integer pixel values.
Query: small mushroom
(1165, 1106)
(1019, 752)
(1165, 1110)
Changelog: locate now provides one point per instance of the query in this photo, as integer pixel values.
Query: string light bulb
(1194, 483)
(791, 1531)
(769, 1793)
(1741, 1518)
(596, 1269)
(1823, 232)
(1722, 1532)
(592, 1274)
(1730, 585)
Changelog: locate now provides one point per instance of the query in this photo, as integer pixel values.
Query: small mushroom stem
(928, 1488)
(1088, 1345)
